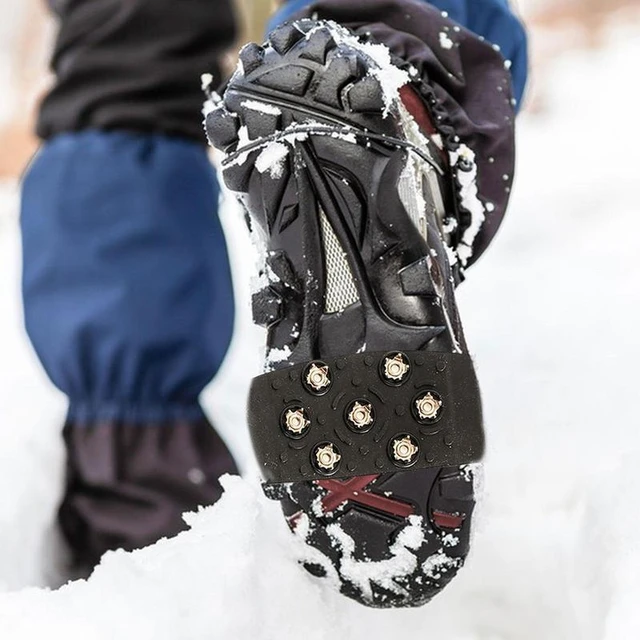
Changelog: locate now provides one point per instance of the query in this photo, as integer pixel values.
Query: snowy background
(552, 315)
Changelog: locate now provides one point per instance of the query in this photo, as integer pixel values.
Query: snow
(276, 355)
(445, 41)
(206, 80)
(450, 540)
(439, 563)
(262, 107)
(552, 313)
(468, 190)
(388, 75)
(243, 141)
(271, 159)
(365, 573)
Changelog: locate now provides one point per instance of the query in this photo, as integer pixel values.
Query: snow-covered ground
(552, 313)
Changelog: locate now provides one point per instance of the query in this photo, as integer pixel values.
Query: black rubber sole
(315, 149)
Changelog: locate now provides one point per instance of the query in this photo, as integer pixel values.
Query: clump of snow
(449, 540)
(345, 136)
(390, 77)
(272, 158)
(243, 141)
(439, 563)
(213, 100)
(276, 355)
(445, 41)
(206, 80)
(289, 136)
(384, 573)
(308, 554)
(262, 107)
(449, 225)
(468, 191)
(212, 103)
(364, 574)
(452, 255)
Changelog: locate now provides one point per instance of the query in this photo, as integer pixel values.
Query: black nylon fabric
(128, 485)
(469, 79)
(134, 64)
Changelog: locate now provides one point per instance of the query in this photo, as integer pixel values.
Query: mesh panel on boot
(340, 287)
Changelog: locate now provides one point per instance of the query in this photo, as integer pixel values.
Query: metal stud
(360, 415)
(395, 368)
(317, 377)
(295, 420)
(428, 406)
(405, 450)
(326, 457)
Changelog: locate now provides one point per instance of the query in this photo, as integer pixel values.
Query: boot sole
(315, 162)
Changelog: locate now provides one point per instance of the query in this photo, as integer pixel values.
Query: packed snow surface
(552, 313)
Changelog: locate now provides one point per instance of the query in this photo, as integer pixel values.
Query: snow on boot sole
(369, 415)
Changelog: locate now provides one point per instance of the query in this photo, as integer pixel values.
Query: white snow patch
(276, 355)
(390, 77)
(445, 41)
(243, 140)
(449, 540)
(450, 225)
(345, 136)
(384, 573)
(316, 507)
(308, 554)
(209, 106)
(468, 190)
(452, 255)
(206, 80)
(437, 564)
(274, 148)
(262, 107)
(272, 158)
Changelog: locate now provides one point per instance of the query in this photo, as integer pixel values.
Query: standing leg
(127, 289)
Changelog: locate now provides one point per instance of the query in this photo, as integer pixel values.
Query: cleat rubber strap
(366, 413)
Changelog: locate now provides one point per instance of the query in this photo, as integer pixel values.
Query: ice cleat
(368, 420)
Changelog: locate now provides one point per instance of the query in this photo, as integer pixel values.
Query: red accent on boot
(356, 490)
(444, 520)
(415, 105)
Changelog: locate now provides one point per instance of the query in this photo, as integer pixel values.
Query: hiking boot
(367, 420)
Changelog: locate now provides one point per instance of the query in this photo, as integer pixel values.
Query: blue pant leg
(129, 305)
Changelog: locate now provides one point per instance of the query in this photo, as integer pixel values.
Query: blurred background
(556, 28)
(552, 314)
